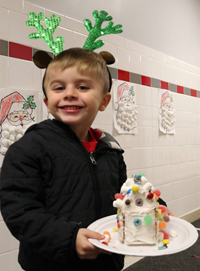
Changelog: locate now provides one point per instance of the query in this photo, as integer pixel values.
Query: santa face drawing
(15, 118)
(168, 106)
(20, 117)
(127, 100)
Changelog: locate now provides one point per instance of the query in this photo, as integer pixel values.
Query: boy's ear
(46, 102)
(105, 102)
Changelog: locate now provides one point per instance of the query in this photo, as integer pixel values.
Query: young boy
(63, 175)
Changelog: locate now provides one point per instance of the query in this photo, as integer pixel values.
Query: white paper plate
(187, 236)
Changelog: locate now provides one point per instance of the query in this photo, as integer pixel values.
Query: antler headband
(42, 59)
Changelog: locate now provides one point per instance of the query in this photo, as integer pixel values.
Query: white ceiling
(169, 26)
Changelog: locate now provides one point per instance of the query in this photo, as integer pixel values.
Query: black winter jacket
(50, 187)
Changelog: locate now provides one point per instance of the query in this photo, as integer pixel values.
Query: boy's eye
(59, 88)
(83, 87)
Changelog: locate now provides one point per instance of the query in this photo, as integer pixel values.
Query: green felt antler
(46, 33)
(96, 31)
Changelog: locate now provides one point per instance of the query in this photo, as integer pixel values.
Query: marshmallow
(172, 233)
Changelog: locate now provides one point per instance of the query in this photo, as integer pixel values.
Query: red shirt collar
(94, 138)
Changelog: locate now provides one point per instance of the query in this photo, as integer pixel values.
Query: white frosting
(137, 208)
(118, 203)
(143, 234)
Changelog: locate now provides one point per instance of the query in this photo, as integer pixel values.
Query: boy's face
(73, 98)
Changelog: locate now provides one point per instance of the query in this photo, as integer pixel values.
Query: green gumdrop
(148, 219)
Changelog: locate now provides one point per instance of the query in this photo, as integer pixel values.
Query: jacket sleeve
(122, 170)
(162, 202)
(22, 197)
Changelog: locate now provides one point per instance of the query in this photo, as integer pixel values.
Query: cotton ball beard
(168, 119)
(126, 116)
(9, 135)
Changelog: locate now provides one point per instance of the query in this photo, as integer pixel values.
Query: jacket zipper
(96, 187)
(92, 158)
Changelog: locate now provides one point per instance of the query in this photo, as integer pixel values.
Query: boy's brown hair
(86, 61)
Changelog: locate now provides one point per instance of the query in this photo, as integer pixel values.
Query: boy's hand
(167, 214)
(84, 248)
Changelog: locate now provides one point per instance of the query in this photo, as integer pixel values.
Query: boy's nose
(70, 93)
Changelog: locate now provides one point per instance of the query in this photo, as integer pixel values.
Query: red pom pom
(119, 196)
(150, 196)
(157, 193)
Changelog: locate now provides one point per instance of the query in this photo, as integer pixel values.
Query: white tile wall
(143, 95)
(6, 263)
(4, 62)
(4, 23)
(170, 162)
(146, 65)
(123, 59)
(16, 5)
(20, 78)
(28, 7)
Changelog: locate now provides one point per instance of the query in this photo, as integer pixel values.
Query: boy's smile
(74, 99)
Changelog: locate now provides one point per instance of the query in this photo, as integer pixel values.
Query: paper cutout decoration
(166, 112)
(16, 115)
(125, 109)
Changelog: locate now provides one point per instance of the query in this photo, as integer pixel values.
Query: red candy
(163, 209)
(166, 235)
(118, 224)
(157, 193)
(119, 196)
(150, 196)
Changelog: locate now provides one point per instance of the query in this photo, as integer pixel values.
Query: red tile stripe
(164, 85)
(124, 75)
(17, 50)
(193, 93)
(180, 89)
(24, 52)
(146, 81)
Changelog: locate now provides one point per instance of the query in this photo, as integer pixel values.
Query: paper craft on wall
(166, 112)
(17, 112)
(45, 113)
(125, 109)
